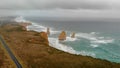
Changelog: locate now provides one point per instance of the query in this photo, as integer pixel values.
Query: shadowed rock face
(73, 35)
(62, 36)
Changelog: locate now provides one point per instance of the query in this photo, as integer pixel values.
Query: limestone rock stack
(73, 35)
(48, 31)
(62, 36)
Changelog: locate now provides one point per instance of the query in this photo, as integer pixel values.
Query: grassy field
(38, 54)
(5, 60)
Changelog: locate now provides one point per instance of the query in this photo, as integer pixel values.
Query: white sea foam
(94, 45)
(86, 36)
(55, 32)
(94, 39)
(55, 43)
(39, 28)
(94, 33)
(36, 27)
(103, 41)
(71, 39)
(20, 19)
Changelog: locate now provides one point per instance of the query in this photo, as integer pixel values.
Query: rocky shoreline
(33, 50)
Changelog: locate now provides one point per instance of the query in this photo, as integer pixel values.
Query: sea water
(98, 39)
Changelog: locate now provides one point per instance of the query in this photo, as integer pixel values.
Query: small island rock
(73, 35)
(62, 36)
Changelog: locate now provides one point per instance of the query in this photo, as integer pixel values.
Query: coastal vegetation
(5, 60)
(33, 49)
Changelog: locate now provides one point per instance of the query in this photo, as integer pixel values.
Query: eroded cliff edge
(33, 50)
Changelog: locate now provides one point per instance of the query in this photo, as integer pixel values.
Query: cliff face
(31, 36)
(39, 38)
(44, 36)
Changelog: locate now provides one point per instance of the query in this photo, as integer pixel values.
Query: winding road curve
(10, 53)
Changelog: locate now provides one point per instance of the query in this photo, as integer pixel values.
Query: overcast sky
(62, 8)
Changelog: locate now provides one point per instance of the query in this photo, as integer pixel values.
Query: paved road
(10, 53)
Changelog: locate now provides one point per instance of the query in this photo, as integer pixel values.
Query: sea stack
(73, 35)
(48, 31)
(62, 36)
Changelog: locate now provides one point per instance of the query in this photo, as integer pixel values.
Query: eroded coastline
(34, 52)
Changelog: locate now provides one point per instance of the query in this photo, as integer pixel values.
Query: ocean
(98, 39)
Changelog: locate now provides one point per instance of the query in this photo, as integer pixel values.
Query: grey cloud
(76, 4)
(61, 8)
(53, 4)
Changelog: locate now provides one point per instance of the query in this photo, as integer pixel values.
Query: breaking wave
(71, 39)
(39, 28)
(36, 27)
(20, 19)
(94, 39)
(56, 44)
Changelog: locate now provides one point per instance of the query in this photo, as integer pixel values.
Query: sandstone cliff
(39, 38)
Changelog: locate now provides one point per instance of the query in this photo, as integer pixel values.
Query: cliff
(39, 38)
(33, 51)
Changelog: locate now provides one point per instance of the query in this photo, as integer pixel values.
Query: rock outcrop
(44, 35)
(73, 35)
(62, 36)
(44, 38)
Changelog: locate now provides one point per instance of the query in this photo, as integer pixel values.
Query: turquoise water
(99, 39)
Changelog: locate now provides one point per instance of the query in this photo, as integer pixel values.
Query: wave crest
(55, 43)
(20, 19)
